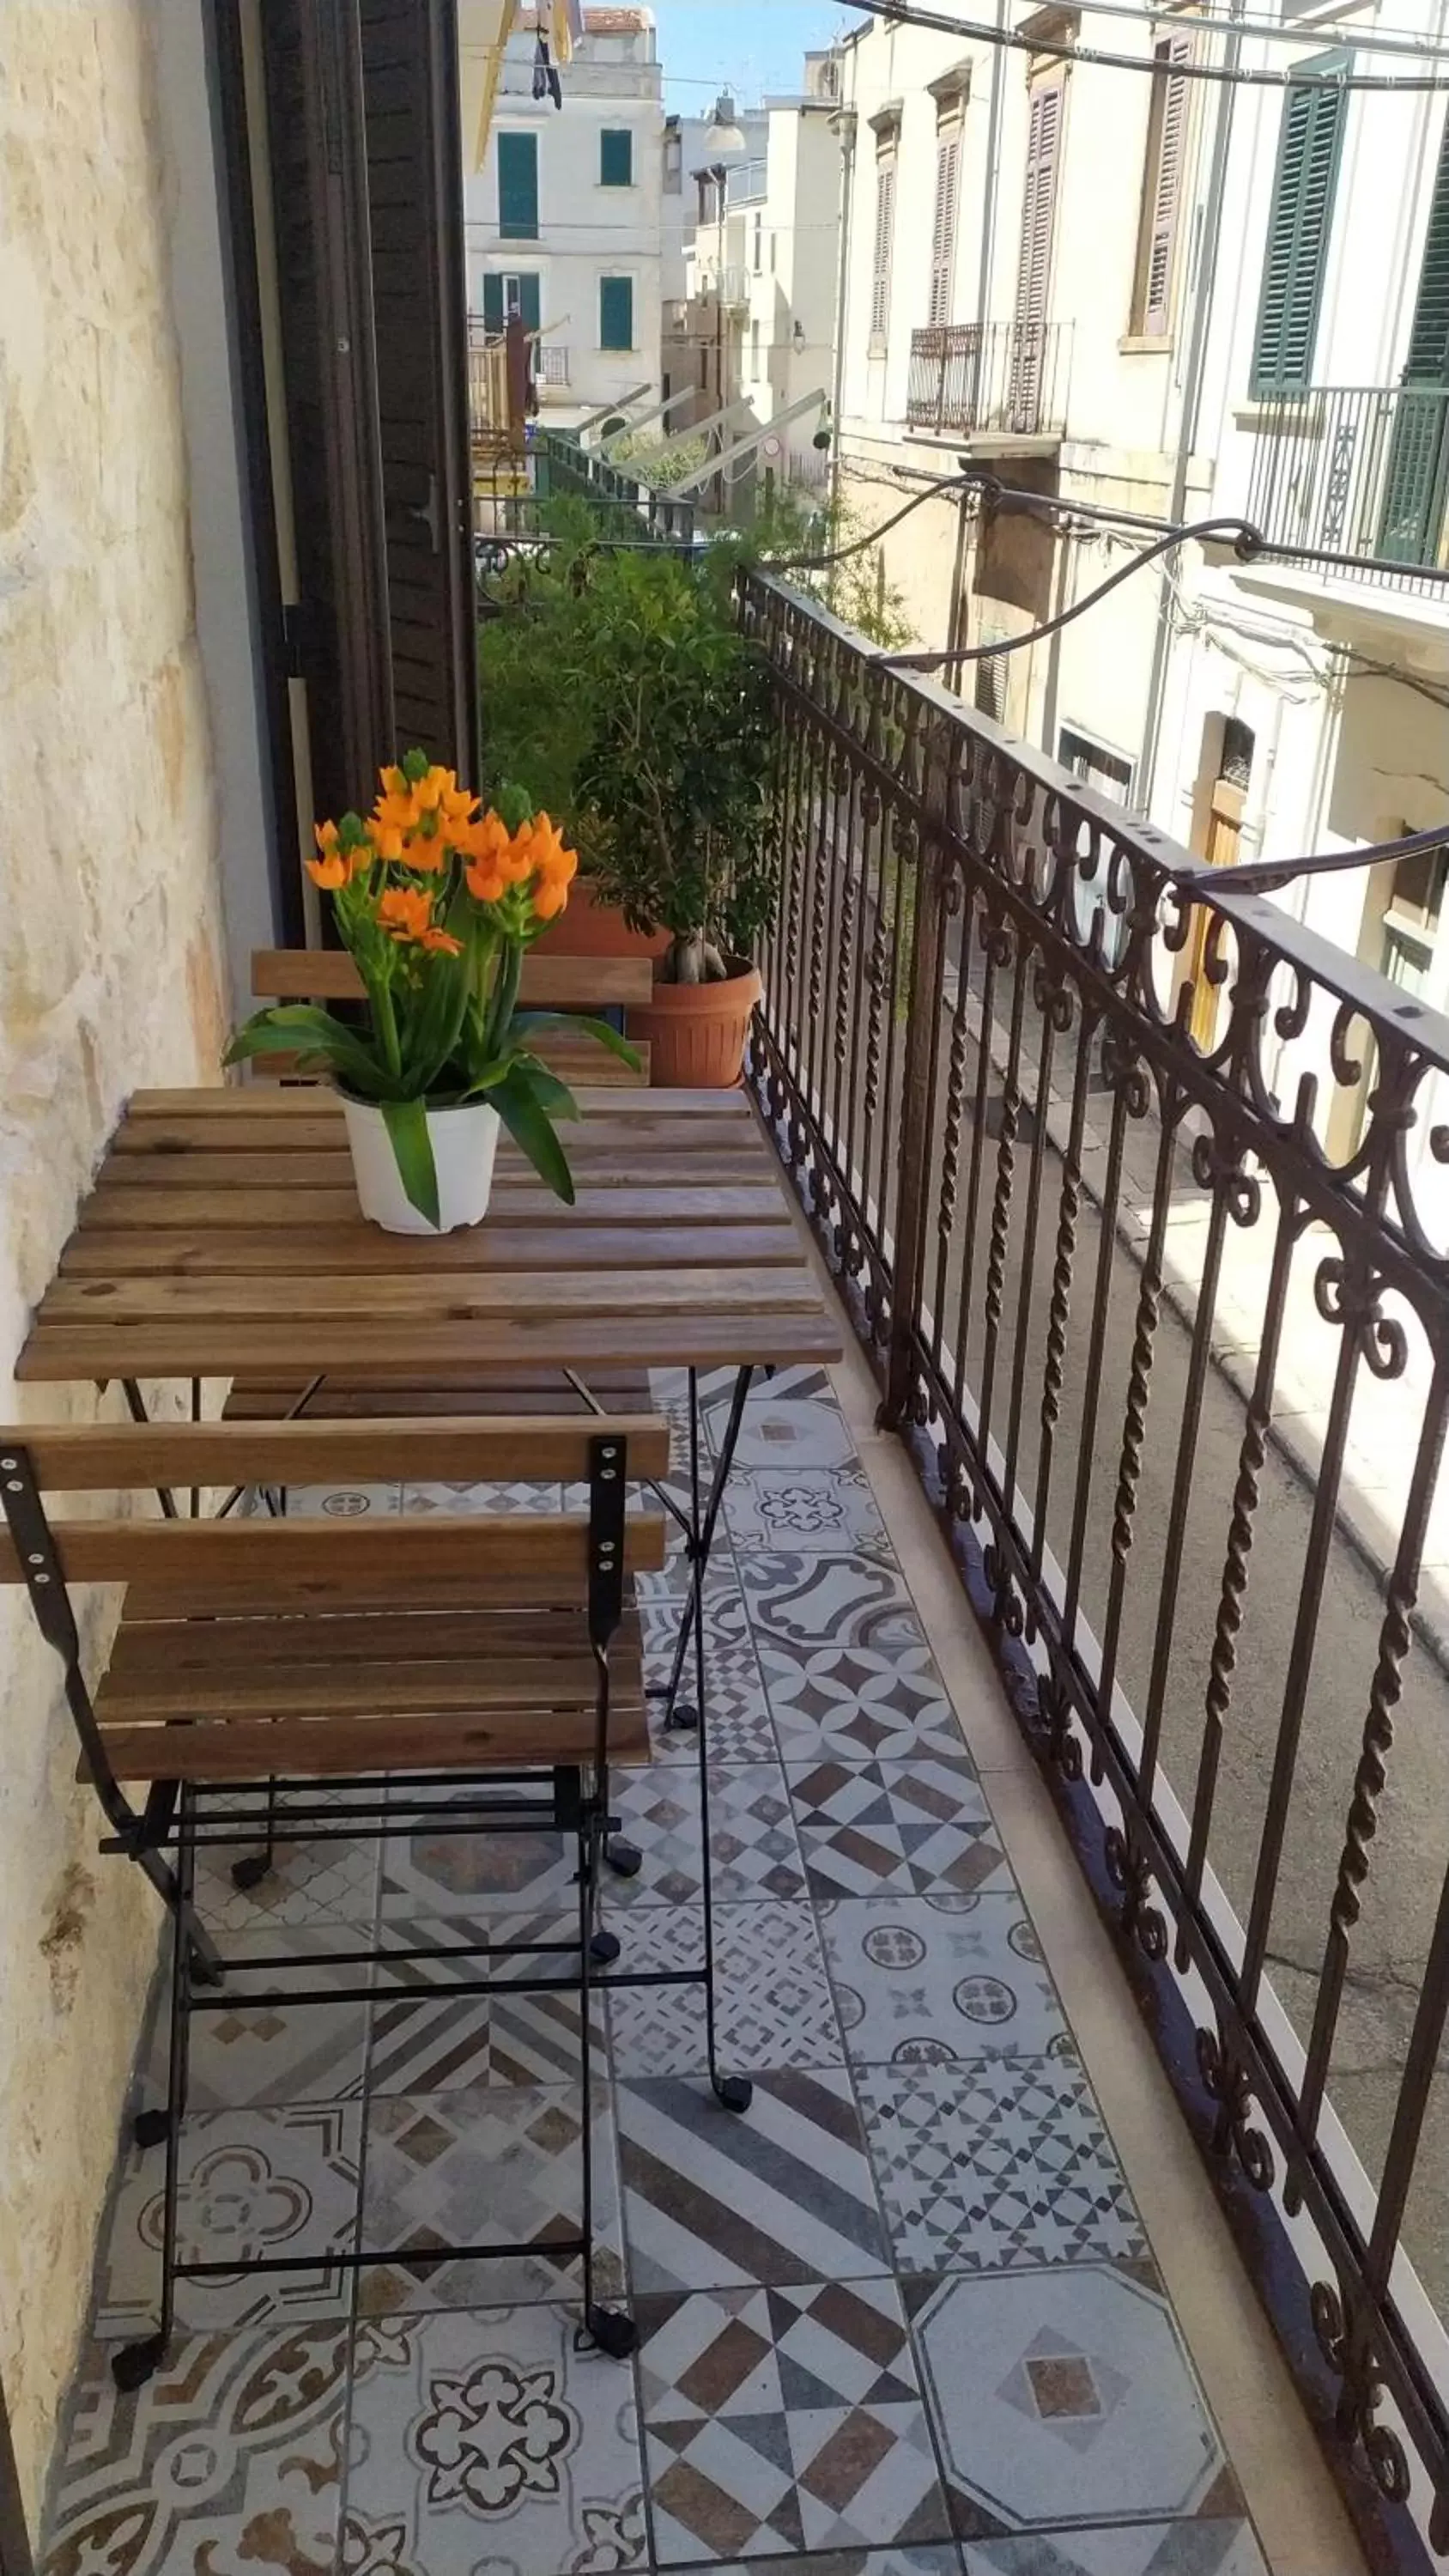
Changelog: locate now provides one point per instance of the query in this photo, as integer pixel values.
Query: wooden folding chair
(492, 1660)
(594, 985)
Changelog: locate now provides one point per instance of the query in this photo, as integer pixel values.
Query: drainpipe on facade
(846, 125)
(1193, 374)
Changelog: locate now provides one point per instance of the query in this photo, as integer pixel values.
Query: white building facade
(1168, 299)
(563, 213)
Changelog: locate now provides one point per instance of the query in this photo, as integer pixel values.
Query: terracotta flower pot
(697, 1032)
(588, 928)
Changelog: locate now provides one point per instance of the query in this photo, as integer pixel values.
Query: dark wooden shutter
(494, 316)
(337, 639)
(414, 157)
(616, 313)
(1416, 478)
(518, 187)
(1164, 176)
(616, 157)
(1299, 223)
(1428, 360)
(529, 302)
(1033, 276)
(943, 226)
(885, 226)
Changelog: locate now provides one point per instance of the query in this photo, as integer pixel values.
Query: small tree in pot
(674, 782)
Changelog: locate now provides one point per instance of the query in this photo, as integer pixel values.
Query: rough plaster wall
(109, 977)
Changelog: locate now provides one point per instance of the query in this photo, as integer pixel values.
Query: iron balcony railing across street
(1136, 1191)
(1007, 378)
(1360, 470)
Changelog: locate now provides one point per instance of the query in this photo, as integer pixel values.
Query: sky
(749, 46)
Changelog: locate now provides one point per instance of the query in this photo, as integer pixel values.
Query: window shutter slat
(616, 313)
(943, 228)
(616, 157)
(518, 187)
(1167, 186)
(1038, 207)
(1428, 359)
(493, 313)
(885, 215)
(1300, 222)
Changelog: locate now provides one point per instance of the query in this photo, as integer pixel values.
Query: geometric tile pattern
(711, 2200)
(915, 2250)
(784, 2419)
(487, 2441)
(919, 1827)
(922, 1979)
(999, 2163)
(487, 2166)
(1141, 2549)
(1064, 2396)
(753, 1850)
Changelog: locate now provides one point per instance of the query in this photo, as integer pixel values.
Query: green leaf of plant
(407, 1125)
(548, 1091)
(303, 1028)
(531, 1128)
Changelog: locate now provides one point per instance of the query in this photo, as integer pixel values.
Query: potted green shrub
(669, 797)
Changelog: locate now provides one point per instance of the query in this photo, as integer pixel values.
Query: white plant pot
(464, 1142)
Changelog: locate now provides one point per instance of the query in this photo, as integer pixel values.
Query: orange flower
(425, 851)
(552, 856)
(405, 913)
(484, 883)
(386, 839)
(397, 811)
(333, 870)
(549, 897)
(441, 941)
(484, 840)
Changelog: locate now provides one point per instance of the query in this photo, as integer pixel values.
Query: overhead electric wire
(1378, 40)
(1248, 541)
(1013, 40)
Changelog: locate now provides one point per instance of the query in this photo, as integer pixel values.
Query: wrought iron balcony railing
(562, 465)
(1003, 377)
(1361, 470)
(1136, 1191)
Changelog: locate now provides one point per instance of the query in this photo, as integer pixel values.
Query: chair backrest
(547, 983)
(174, 1564)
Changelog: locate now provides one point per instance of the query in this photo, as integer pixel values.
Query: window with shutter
(1033, 277)
(1161, 189)
(616, 157)
(494, 315)
(1416, 480)
(616, 313)
(1300, 220)
(1428, 359)
(518, 187)
(885, 225)
(943, 226)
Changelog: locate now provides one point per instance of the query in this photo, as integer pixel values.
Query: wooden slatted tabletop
(223, 1237)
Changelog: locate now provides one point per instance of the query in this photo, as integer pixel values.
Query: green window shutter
(518, 187)
(1428, 359)
(1300, 221)
(494, 316)
(528, 301)
(616, 157)
(616, 313)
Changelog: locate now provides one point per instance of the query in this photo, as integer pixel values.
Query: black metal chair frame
(188, 1818)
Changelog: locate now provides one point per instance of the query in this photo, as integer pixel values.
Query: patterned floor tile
(799, 1386)
(438, 1870)
(1064, 2392)
(916, 1828)
(342, 1502)
(827, 1597)
(772, 1996)
(785, 2419)
(920, 1979)
(257, 2047)
(864, 2562)
(322, 1881)
(485, 2166)
(488, 1501)
(716, 2200)
(1000, 2163)
(1139, 2549)
(230, 2456)
(737, 1713)
(781, 1430)
(753, 1848)
(858, 1703)
(807, 1509)
(422, 2046)
(485, 2442)
(253, 2185)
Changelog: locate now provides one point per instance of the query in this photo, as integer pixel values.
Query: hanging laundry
(546, 82)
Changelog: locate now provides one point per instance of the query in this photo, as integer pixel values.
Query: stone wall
(109, 978)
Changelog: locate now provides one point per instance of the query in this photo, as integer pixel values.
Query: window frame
(887, 162)
(1164, 170)
(617, 348)
(946, 208)
(509, 137)
(616, 134)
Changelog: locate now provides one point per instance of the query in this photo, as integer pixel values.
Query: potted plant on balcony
(673, 779)
(437, 906)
